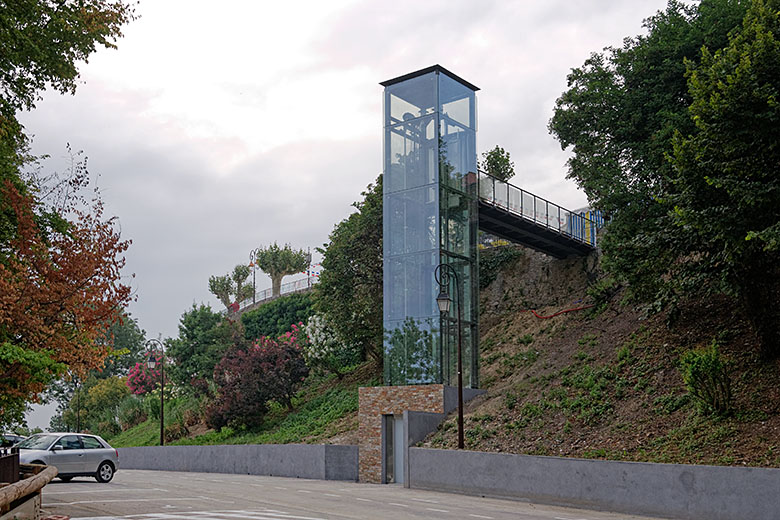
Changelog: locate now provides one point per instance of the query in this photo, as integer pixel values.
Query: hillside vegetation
(607, 381)
(603, 381)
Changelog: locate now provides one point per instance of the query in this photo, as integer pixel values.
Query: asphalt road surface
(167, 495)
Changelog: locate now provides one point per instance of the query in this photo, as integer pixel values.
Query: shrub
(492, 260)
(707, 379)
(247, 378)
(274, 318)
(325, 350)
(131, 412)
(141, 379)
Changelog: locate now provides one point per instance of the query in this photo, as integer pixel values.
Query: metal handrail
(566, 222)
(286, 288)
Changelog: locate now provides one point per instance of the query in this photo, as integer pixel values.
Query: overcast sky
(215, 128)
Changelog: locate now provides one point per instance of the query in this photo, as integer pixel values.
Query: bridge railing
(286, 288)
(536, 209)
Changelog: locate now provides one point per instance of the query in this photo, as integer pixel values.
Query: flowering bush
(324, 349)
(141, 379)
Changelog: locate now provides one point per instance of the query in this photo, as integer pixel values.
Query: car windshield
(38, 442)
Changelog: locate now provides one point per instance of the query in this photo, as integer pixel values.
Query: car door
(67, 454)
(94, 453)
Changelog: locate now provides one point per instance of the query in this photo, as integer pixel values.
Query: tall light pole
(152, 347)
(253, 263)
(442, 274)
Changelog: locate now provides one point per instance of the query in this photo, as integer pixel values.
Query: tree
(279, 262)
(275, 317)
(496, 162)
(59, 291)
(619, 116)
(232, 287)
(248, 377)
(203, 339)
(126, 341)
(349, 293)
(284, 361)
(52, 276)
(727, 189)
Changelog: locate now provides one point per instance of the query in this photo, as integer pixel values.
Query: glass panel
(410, 155)
(457, 102)
(409, 288)
(412, 354)
(455, 222)
(501, 194)
(411, 221)
(528, 205)
(457, 157)
(410, 99)
(486, 187)
(514, 200)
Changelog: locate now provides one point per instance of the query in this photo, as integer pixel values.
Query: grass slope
(324, 409)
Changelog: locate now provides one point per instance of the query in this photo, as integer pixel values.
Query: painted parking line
(427, 501)
(268, 514)
(397, 504)
(89, 491)
(332, 495)
(437, 510)
(482, 516)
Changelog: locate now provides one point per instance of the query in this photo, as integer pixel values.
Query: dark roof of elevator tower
(426, 70)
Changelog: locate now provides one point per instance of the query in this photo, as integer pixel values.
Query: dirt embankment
(605, 382)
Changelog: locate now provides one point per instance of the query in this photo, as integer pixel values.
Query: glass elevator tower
(430, 217)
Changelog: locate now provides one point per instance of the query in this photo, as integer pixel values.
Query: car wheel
(105, 472)
(65, 479)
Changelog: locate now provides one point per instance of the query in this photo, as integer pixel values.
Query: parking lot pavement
(165, 495)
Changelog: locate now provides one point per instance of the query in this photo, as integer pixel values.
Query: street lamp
(253, 263)
(153, 346)
(442, 274)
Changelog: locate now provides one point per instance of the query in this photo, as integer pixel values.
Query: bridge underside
(512, 227)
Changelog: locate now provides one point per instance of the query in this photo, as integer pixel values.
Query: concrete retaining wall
(326, 462)
(665, 490)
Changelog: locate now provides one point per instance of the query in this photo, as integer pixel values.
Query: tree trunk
(276, 285)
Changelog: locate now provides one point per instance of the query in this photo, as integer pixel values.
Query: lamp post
(442, 274)
(253, 263)
(153, 346)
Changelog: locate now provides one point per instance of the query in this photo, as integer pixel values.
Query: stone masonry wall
(375, 401)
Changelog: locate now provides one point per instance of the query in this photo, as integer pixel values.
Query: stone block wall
(376, 401)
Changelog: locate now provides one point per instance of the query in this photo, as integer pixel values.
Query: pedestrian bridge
(516, 215)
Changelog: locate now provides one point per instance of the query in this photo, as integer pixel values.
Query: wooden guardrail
(35, 477)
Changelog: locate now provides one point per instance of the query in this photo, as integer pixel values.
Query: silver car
(73, 454)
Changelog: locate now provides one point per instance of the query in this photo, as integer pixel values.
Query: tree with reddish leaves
(284, 358)
(59, 292)
(248, 377)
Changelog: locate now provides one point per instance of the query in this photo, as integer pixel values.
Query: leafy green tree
(278, 262)
(619, 117)
(496, 162)
(276, 317)
(231, 287)
(349, 293)
(126, 340)
(726, 196)
(203, 339)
